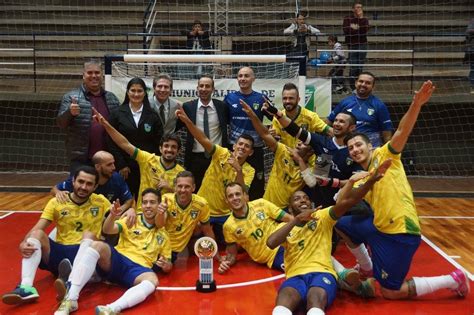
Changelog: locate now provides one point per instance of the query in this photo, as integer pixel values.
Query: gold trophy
(205, 248)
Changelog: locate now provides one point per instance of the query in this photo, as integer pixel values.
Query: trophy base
(206, 287)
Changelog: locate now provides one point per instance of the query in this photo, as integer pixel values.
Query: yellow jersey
(308, 247)
(142, 244)
(73, 219)
(391, 198)
(218, 174)
(306, 119)
(285, 177)
(252, 231)
(151, 170)
(181, 222)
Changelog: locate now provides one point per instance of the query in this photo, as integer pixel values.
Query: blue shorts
(218, 220)
(302, 284)
(123, 271)
(278, 260)
(391, 253)
(58, 252)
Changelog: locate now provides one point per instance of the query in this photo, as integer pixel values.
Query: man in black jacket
(211, 116)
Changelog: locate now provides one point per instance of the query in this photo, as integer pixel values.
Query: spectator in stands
(372, 115)
(469, 57)
(163, 104)
(140, 124)
(210, 116)
(355, 27)
(301, 32)
(198, 39)
(111, 185)
(241, 124)
(337, 73)
(84, 137)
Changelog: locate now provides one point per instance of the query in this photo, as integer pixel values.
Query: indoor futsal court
(447, 227)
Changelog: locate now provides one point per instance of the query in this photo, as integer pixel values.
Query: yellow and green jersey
(218, 174)
(73, 219)
(306, 119)
(151, 170)
(285, 177)
(181, 222)
(308, 247)
(141, 243)
(252, 231)
(391, 198)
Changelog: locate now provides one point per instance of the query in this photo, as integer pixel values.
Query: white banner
(317, 98)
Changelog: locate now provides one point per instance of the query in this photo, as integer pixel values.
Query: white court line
(446, 256)
(22, 211)
(224, 286)
(444, 217)
(7, 213)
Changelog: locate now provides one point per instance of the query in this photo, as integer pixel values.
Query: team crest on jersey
(147, 127)
(349, 161)
(326, 280)
(239, 231)
(160, 239)
(94, 211)
(370, 111)
(64, 212)
(194, 214)
(312, 225)
(256, 106)
(260, 215)
(174, 214)
(137, 232)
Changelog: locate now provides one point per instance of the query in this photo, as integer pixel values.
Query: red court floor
(235, 294)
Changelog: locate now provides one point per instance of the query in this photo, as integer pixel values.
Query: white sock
(426, 285)
(362, 257)
(281, 310)
(338, 267)
(315, 311)
(82, 272)
(85, 243)
(133, 296)
(30, 265)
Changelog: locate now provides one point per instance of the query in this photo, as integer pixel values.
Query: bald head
(101, 156)
(104, 163)
(245, 78)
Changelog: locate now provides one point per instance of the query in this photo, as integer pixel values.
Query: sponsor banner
(317, 96)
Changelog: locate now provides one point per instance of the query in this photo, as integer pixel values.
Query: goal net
(44, 44)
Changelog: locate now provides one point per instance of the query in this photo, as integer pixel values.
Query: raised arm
(116, 136)
(349, 197)
(262, 131)
(109, 226)
(408, 121)
(194, 130)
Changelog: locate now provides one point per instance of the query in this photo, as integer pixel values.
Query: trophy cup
(205, 248)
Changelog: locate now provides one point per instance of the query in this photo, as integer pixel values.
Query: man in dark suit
(211, 116)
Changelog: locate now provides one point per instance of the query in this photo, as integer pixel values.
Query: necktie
(205, 122)
(162, 114)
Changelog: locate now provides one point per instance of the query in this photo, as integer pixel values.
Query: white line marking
(224, 286)
(455, 257)
(449, 259)
(22, 211)
(444, 217)
(7, 213)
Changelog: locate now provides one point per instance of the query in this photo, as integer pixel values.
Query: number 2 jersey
(252, 231)
(73, 219)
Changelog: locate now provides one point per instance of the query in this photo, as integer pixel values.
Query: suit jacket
(191, 110)
(170, 125)
(146, 136)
